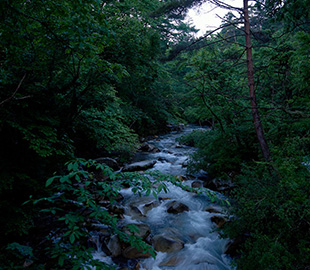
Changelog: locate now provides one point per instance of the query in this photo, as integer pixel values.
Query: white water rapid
(199, 246)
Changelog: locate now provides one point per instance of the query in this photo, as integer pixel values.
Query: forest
(83, 80)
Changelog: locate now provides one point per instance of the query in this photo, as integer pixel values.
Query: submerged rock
(167, 244)
(139, 166)
(175, 207)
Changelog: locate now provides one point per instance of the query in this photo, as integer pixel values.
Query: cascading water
(193, 243)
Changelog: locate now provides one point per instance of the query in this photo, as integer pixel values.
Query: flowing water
(202, 248)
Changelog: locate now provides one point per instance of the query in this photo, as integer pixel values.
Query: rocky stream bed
(180, 225)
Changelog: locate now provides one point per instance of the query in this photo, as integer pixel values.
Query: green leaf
(72, 238)
(50, 181)
(61, 260)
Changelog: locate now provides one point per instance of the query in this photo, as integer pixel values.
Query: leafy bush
(218, 153)
(68, 214)
(275, 214)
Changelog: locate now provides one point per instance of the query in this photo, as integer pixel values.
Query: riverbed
(185, 239)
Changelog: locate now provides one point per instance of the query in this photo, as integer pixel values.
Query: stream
(184, 239)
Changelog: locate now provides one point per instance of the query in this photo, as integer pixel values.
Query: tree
(250, 70)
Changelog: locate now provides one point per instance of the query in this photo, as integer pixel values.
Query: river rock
(175, 207)
(164, 198)
(114, 246)
(112, 163)
(145, 147)
(171, 261)
(167, 244)
(162, 159)
(181, 177)
(219, 185)
(117, 209)
(139, 166)
(134, 212)
(219, 220)
(196, 184)
(144, 230)
(185, 163)
(134, 253)
(179, 145)
(176, 127)
(214, 209)
(149, 206)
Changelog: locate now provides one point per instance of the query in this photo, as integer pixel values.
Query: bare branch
(13, 95)
(224, 5)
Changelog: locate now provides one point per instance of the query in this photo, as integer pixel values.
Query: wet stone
(171, 261)
(182, 177)
(149, 206)
(139, 166)
(114, 246)
(214, 209)
(117, 209)
(219, 221)
(167, 244)
(134, 212)
(175, 207)
(143, 230)
(112, 163)
(134, 253)
(196, 184)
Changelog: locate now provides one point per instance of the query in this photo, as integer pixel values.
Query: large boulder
(143, 230)
(219, 185)
(145, 147)
(175, 207)
(139, 166)
(134, 212)
(134, 253)
(167, 244)
(112, 163)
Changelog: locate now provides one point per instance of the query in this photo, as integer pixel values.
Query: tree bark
(250, 70)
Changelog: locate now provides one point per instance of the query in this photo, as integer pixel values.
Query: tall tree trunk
(256, 118)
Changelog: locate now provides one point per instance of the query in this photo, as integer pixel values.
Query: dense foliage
(77, 79)
(271, 200)
(87, 78)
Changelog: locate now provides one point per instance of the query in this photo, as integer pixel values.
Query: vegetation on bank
(85, 79)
